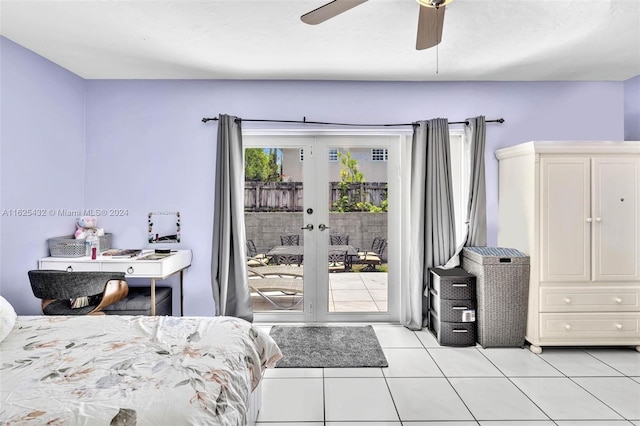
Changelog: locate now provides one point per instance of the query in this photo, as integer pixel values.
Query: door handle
(322, 227)
(309, 227)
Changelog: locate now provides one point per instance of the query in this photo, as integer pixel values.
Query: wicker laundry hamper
(502, 291)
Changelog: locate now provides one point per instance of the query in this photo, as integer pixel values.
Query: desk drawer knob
(567, 326)
(619, 326)
(567, 300)
(130, 270)
(69, 268)
(618, 299)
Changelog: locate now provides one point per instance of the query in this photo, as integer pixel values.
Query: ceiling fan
(430, 18)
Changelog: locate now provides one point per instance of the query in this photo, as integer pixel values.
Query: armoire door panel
(565, 222)
(616, 232)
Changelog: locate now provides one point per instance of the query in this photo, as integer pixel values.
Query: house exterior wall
(373, 171)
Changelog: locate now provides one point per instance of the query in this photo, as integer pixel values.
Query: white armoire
(574, 208)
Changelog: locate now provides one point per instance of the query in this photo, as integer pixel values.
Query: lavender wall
(632, 109)
(42, 157)
(147, 150)
(151, 132)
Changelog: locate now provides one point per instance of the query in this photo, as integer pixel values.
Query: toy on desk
(86, 225)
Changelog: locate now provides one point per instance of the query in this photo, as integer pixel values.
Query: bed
(133, 370)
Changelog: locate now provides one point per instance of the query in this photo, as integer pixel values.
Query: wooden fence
(288, 196)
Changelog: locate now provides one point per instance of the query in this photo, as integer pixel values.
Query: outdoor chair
(274, 284)
(337, 261)
(290, 240)
(253, 257)
(373, 258)
(339, 240)
(288, 259)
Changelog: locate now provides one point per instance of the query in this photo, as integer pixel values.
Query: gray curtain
(476, 230)
(476, 134)
(228, 255)
(433, 238)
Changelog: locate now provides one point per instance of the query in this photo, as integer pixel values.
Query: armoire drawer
(596, 299)
(590, 325)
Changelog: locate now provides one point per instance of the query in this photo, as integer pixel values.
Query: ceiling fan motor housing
(434, 3)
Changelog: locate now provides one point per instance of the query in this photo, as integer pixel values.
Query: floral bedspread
(124, 370)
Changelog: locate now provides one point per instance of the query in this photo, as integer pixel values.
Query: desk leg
(153, 296)
(181, 295)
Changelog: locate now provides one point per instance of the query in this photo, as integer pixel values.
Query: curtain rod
(304, 121)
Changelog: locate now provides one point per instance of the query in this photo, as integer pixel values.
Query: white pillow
(7, 318)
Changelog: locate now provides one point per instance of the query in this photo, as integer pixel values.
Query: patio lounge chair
(276, 280)
(373, 257)
(253, 257)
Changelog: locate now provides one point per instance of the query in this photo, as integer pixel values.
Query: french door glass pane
(273, 201)
(357, 229)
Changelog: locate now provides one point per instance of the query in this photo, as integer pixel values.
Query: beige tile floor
(348, 292)
(431, 385)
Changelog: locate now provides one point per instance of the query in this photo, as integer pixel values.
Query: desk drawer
(70, 266)
(134, 268)
(596, 299)
(590, 325)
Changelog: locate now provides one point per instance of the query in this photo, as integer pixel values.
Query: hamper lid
(497, 255)
(496, 251)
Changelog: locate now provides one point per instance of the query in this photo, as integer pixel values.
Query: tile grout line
(598, 399)
(586, 390)
(517, 387)
(605, 363)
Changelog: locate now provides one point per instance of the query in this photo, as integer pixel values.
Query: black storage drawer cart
(452, 305)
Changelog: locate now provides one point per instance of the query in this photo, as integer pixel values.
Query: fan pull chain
(438, 46)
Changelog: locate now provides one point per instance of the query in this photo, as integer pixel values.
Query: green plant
(261, 166)
(351, 189)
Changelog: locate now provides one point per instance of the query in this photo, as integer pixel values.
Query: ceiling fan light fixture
(434, 3)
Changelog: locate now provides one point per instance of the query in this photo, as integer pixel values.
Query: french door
(322, 225)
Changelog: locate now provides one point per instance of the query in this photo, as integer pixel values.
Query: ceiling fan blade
(329, 10)
(430, 21)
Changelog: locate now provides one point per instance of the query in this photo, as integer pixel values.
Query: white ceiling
(240, 39)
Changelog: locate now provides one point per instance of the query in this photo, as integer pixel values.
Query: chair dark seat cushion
(138, 302)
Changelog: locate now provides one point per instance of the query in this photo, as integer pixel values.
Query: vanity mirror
(164, 227)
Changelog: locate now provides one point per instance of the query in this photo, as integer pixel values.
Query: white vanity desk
(156, 269)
